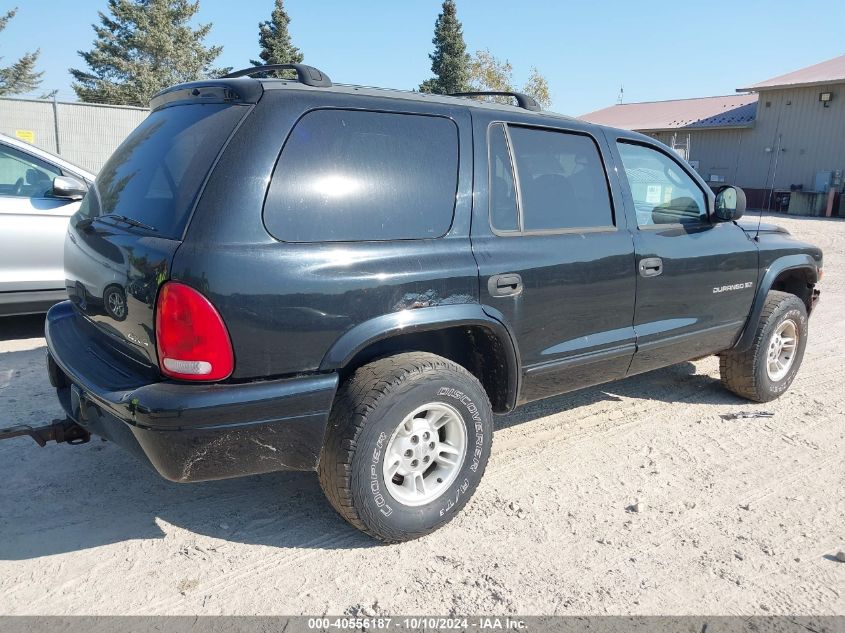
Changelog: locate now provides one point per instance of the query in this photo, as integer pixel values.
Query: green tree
(538, 87)
(20, 76)
(449, 61)
(141, 47)
(490, 74)
(274, 39)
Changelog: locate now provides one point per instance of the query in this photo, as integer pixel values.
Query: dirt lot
(735, 517)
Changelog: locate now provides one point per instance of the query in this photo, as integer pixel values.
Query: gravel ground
(734, 517)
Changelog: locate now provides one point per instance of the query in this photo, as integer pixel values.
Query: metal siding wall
(812, 140)
(759, 156)
(88, 133)
(717, 151)
(812, 136)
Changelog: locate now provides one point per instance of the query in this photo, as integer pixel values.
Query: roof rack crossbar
(522, 100)
(307, 75)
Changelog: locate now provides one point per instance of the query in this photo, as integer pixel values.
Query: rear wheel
(408, 440)
(767, 369)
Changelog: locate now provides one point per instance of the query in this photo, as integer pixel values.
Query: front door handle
(651, 266)
(506, 285)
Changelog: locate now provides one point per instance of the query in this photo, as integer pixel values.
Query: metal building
(782, 140)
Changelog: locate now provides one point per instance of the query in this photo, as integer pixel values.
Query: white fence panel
(83, 133)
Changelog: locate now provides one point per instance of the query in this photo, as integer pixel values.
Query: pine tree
(449, 61)
(20, 76)
(142, 47)
(274, 39)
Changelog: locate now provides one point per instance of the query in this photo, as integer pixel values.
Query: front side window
(562, 181)
(347, 175)
(24, 176)
(663, 192)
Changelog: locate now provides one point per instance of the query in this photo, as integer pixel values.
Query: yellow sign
(26, 135)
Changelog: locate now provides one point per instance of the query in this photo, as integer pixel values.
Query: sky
(587, 50)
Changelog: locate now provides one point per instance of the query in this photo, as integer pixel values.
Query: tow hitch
(57, 431)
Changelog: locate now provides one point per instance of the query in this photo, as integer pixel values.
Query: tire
(364, 441)
(749, 373)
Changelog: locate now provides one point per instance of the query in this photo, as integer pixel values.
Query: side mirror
(69, 187)
(730, 204)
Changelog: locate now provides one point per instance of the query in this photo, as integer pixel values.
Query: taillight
(191, 338)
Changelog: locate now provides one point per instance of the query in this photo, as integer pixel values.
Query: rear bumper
(187, 432)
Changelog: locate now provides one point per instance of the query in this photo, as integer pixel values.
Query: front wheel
(409, 437)
(766, 370)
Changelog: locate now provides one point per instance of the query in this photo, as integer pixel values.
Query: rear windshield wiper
(84, 224)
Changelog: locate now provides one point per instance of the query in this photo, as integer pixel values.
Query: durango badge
(742, 286)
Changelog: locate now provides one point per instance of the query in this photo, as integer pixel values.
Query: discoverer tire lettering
(367, 411)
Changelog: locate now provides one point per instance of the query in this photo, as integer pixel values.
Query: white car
(38, 193)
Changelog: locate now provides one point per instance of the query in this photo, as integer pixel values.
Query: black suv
(288, 274)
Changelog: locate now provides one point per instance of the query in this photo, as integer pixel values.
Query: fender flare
(428, 319)
(799, 261)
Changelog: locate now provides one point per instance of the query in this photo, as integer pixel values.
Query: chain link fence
(85, 134)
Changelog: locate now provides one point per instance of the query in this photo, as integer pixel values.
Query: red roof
(705, 112)
(831, 71)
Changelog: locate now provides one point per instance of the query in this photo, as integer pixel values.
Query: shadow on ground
(21, 327)
(67, 498)
(678, 383)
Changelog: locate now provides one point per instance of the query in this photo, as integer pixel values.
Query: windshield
(154, 177)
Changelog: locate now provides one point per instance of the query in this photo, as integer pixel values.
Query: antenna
(621, 94)
(771, 191)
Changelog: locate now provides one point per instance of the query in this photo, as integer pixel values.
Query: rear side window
(504, 215)
(562, 181)
(356, 176)
(156, 173)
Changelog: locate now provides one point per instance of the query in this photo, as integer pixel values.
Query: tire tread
(356, 398)
(738, 370)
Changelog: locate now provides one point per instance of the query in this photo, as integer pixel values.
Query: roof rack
(522, 100)
(307, 75)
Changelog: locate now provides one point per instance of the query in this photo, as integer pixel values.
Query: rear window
(358, 176)
(156, 173)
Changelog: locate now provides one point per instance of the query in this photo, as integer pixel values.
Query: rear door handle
(651, 266)
(506, 285)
